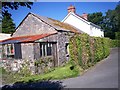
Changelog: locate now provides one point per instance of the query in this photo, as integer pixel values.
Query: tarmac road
(102, 75)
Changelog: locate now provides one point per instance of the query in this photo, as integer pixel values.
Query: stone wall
(32, 26)
(63, 39)
(34, 67)
(18, 65)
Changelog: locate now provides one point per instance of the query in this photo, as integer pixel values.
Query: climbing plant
(86, 51)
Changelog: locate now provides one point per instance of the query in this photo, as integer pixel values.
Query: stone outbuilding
(38, 37)
(43, 39)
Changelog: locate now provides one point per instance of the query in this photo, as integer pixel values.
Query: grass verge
(66, 71)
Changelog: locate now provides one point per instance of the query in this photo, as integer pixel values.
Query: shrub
(115, 43)
(86, 50)
(44, 65)
(117, 35)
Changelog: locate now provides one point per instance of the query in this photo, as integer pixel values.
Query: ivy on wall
(86, 51)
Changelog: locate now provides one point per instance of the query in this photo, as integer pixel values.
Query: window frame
(67, 49)
(44, 49)
(10, 47)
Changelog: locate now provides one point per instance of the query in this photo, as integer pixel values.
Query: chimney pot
(85, 16)
(71, 9)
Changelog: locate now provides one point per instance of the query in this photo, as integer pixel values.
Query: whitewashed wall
(76, 22)
(96, 31)
(83, 25)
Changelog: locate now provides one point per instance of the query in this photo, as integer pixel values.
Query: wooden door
(55, 58)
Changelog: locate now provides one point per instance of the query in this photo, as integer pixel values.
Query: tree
(7, 24)
(117, 9)
(110, 23)
(14, 6)
(96, 18)
(117, 35)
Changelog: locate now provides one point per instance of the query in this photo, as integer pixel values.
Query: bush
(86, 50)
(117, 35)
(44, 65)
(115, 43)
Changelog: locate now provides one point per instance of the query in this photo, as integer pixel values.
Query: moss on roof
(63, 25)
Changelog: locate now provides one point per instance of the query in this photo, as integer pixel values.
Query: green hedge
(87, 51)
(115, 43)
(117, 35)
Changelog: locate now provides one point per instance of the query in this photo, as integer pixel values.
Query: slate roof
(24, 39)
(57, 24)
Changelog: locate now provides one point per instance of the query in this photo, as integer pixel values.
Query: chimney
(71, 9)
(85, 16)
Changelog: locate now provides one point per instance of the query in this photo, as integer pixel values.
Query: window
(49, 49)
(10, 49)
(45, 49)
(67, 48)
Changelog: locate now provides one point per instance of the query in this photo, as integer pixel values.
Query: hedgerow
(86, 51)
(115, 43)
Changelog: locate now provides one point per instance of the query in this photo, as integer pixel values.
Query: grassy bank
(59, 73)
(66, 71)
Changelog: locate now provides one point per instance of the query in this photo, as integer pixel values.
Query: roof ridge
(52, 24)
(81, 17)
(87, 20)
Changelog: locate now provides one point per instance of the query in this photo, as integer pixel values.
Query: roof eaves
(24, 39)
(95, 25)
(78, 16)
(64, 30)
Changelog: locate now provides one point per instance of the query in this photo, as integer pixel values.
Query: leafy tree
(14, 6)
(110, 23)
(117, 35)
(7, 24)
(96, 18)
(117, 9)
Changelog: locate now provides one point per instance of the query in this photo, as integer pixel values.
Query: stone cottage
(38, 37)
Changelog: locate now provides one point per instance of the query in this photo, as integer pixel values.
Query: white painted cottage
(82, 23)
